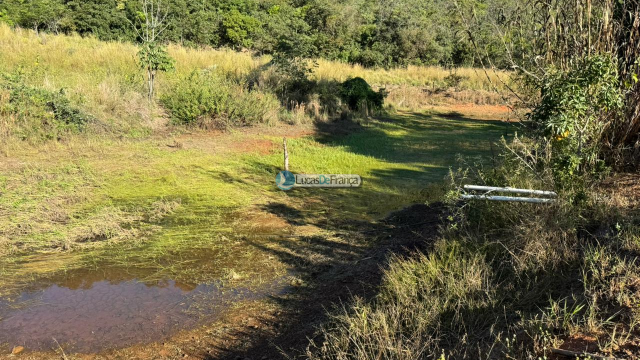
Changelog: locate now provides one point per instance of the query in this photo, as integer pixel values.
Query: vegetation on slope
(92, 168)
(371, 33)
(214, 87)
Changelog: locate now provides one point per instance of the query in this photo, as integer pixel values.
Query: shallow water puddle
(187, 275)
(106, 314)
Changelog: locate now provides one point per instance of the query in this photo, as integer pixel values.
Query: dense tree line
(370, 32)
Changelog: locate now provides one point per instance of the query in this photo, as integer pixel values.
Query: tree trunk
(150, 76)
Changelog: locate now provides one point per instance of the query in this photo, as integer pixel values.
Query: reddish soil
(478, 112)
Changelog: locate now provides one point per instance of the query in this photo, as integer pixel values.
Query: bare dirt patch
(623, 190)
(477, 112)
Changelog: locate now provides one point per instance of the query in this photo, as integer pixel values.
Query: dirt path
(338, 281)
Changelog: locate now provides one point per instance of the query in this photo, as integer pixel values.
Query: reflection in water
(91, 316)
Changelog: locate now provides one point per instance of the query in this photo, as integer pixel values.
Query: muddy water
(123, 300)
(89, 316)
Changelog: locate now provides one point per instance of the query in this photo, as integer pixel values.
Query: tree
(36, 14)
(153, 55)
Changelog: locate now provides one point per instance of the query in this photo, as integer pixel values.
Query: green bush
(239, 27)
(358, 95)
(454, 80)
(210, 100)
(575, 108)
(39, 112)
(196, 96)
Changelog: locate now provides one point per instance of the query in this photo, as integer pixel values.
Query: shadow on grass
(350, 255)
(332, 269)
(412, 136)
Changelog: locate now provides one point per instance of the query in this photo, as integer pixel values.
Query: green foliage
(35, 14)
(358, 95)
(575, 108)
(238, 27)
(154, 57)
(99, 18)
(293, 84)
(210, 100)
(4, 17)
(39, 112)
(196, 96)
(373, 33)
(454, 80)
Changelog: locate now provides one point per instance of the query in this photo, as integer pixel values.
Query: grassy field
(104, 79)
(150, 200)
(85, 194)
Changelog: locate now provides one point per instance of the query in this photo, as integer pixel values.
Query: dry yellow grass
(104, 79)
(67, 60)
(433, 76)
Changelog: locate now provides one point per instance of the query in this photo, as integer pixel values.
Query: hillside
(371, 33)
(104, 80)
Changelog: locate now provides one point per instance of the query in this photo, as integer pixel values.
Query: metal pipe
(510, 190)
(508, 198)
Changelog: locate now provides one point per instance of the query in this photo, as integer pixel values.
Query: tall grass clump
(504, 280)
(430, 76)
(423, 301)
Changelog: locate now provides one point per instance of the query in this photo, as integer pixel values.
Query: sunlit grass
(82, 64)
(432, 76)
(127, 196)
(90, 193)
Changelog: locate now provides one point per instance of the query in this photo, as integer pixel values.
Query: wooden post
(286, 154)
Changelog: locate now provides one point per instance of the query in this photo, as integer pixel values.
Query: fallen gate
(543, 196)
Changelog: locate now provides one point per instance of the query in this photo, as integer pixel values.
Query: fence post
(286, 154)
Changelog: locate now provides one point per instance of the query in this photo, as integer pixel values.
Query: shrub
(196, 96)
(358, 95)
(575, 108)
(238, 28)
(38, 112)
(292, 74)
(211, 100)
(454, 80)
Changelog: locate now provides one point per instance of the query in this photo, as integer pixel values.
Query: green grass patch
(139, 202)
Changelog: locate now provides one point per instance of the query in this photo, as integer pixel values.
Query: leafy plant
(39, 111)
(358, 95)
(454, 80)
(238, 27)
(196, 96)
(210, 100)
(153, 57)
(575, 107)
